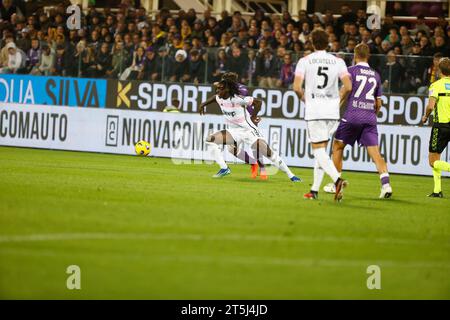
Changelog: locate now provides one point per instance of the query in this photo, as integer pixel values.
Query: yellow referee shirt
(440, 90)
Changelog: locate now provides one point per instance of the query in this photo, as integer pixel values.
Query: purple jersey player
(360, 119)
(243, 91)
(359, 122)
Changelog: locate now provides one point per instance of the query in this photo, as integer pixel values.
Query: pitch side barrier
(110, 116)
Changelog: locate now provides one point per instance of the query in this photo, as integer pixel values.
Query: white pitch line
(200, 237)
(242, 260)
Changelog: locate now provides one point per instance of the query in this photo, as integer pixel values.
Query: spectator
(88, 65)
(335, 46)
(441, 47)
(14, 62)
(425, 46)
(387, 25)
(350, 47)
(433, 72)
(268, 38)
(392, 73)
(137, 66)
(416, 71)
(236, 25)
(304, 35)
(61, 61)
(237, 62)
(421, 25)
(46, 62)
(385, 47)
(249, 75)
(150, 71)
(220, 65)
(286, 18)
(393, 37)
(103, 61)
(33, 55)
(287, 72)
(119, 61)
(8, 10)
(164, 65)
(198, 29)
(407, 44)
(158, 36)
(266, 69)
(196, 67)
(179, 70)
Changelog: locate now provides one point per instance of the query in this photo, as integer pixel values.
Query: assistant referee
(439, 102)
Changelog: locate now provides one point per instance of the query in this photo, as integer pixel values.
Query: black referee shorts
(439, 138)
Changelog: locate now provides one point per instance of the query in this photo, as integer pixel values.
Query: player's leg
(319, 134)
(369, 139)
(241, 154)
(375, 155)
(262, 148)
(435, 162)
(214, 141)
(346, 134)
(318, 177)
(337, 157)
(439, 139)
(338, 154)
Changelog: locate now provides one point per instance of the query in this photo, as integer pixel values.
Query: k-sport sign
(181, 136)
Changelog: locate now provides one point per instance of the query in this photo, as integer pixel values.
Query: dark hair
(444, 66)
(232, 76)
(231, 86)
(319, 39)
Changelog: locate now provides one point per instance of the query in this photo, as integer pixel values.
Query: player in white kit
(240, 128)
(320, 72)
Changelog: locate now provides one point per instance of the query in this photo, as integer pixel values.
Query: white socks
(279, 163)
(217, 155)
(318, 176)
(326, 164)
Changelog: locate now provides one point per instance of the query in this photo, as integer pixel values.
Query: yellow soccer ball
(142, 148)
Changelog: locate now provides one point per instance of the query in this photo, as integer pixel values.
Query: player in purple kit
(359, 122)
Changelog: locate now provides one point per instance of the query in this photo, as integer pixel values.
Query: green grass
(146, 228)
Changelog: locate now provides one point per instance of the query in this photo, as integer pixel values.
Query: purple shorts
(365, 134)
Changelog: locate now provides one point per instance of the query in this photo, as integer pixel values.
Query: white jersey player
(241, 128)
(321, 71)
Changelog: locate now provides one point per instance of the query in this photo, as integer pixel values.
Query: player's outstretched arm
(430, 107)
(345, 89)
(256, 109)
(377, 105)
(298, 87)
(205, 103)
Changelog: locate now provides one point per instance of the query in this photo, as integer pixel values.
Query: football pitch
(145, 228)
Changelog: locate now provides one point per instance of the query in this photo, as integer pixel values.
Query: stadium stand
(128, 43)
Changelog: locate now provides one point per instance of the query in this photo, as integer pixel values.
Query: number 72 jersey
(321, 72)
(366, 88)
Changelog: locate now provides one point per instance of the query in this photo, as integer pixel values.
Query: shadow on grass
(391, 200)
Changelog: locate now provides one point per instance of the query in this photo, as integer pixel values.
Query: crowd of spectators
(186, 47)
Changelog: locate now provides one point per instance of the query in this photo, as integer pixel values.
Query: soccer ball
(142, 148)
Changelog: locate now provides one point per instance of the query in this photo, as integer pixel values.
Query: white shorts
(245, 135)
(321, 130)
